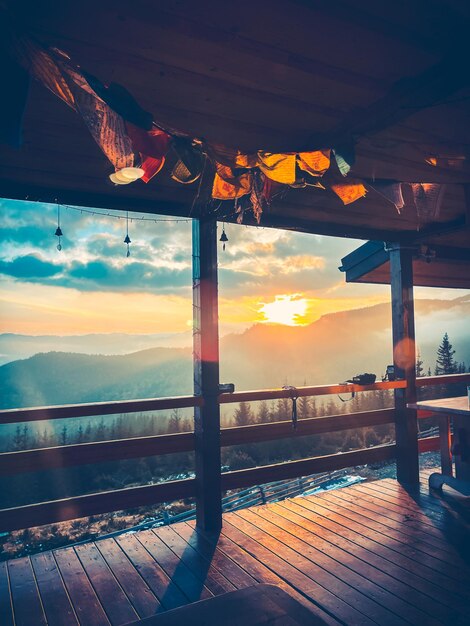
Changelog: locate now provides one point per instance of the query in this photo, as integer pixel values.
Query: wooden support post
(445, 440)
(206, 375)
(404, 359)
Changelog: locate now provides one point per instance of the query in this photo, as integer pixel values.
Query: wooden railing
(96, 452)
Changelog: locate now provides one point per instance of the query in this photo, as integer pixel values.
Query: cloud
(127, 276)
(29, 267)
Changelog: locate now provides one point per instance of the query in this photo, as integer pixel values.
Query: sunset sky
(90, 285)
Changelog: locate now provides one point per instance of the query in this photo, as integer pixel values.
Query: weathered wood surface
(367, 554)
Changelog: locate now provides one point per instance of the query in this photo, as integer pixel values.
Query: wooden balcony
(367, 554)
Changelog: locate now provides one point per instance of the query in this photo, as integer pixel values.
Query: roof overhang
(433, 266)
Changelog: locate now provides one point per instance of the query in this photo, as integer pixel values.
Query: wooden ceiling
(269, 75)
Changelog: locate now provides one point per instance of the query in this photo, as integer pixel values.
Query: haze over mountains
(330, 350)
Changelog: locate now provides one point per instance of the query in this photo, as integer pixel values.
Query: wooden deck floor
(366, 554)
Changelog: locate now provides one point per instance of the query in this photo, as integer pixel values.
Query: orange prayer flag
(349, 193)
(224, 190)
(315, 163)
(278, 167)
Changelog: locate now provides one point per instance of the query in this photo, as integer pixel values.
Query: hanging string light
(58, 231)
(127, 240)
(223, 237)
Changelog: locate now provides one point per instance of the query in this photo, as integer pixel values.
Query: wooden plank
(429, 444)
(95, 452)
(404, 359)
(445, 379)
(136, 589)
(85, 603)
(401, 504)
(110, 594)
(25, 594)
(80, 506)
(441, 524)
(261, 573)
(445, 444)
(54, 596)
(169, 595)
(381, 581)
(309, 426)
(369, 508)
(371, 582)
(192, 586)
(328, 601)
(204, 569)
(335, 520)
(317, 390)
(209, 549)
(12, 416)
(458, 510)
(304, 467)
(252, 605)
(206, 369)
(6, 606)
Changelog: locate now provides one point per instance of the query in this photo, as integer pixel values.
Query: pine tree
(303, 404)
(63, 435)
(263, 412)
(419, 365)
(445, 363)
(243, 415)
(174, 423)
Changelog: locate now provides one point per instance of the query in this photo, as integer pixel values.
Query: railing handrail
(65, 411)
(316, 390)
(442, 379)
(89, 409)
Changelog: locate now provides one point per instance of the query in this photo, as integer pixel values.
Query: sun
(285, 309)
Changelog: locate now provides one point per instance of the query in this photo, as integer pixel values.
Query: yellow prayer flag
(315, 163)
(278, 167)
(224, 190)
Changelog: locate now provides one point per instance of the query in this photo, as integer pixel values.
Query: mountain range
(330, 350)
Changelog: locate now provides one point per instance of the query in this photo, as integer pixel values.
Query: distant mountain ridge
(330, 350)
(15, 346)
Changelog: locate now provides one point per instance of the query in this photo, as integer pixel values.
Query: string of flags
(138, 147)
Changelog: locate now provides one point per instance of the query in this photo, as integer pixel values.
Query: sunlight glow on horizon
(289, 310)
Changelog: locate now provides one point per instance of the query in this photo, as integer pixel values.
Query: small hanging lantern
(223, 237)
(58, 231)
(127, 239)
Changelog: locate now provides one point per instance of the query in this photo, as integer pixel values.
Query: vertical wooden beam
(404, 359)
(445, 439)
(206, 375)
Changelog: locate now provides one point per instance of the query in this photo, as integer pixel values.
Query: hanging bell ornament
(223, 238)
(127, 241)
(58, 233)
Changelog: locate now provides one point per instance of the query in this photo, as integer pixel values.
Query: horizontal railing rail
(66, 411)
(303, 467)
(443, 379)
(40, 459)
(93, 504)
(317, 390)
